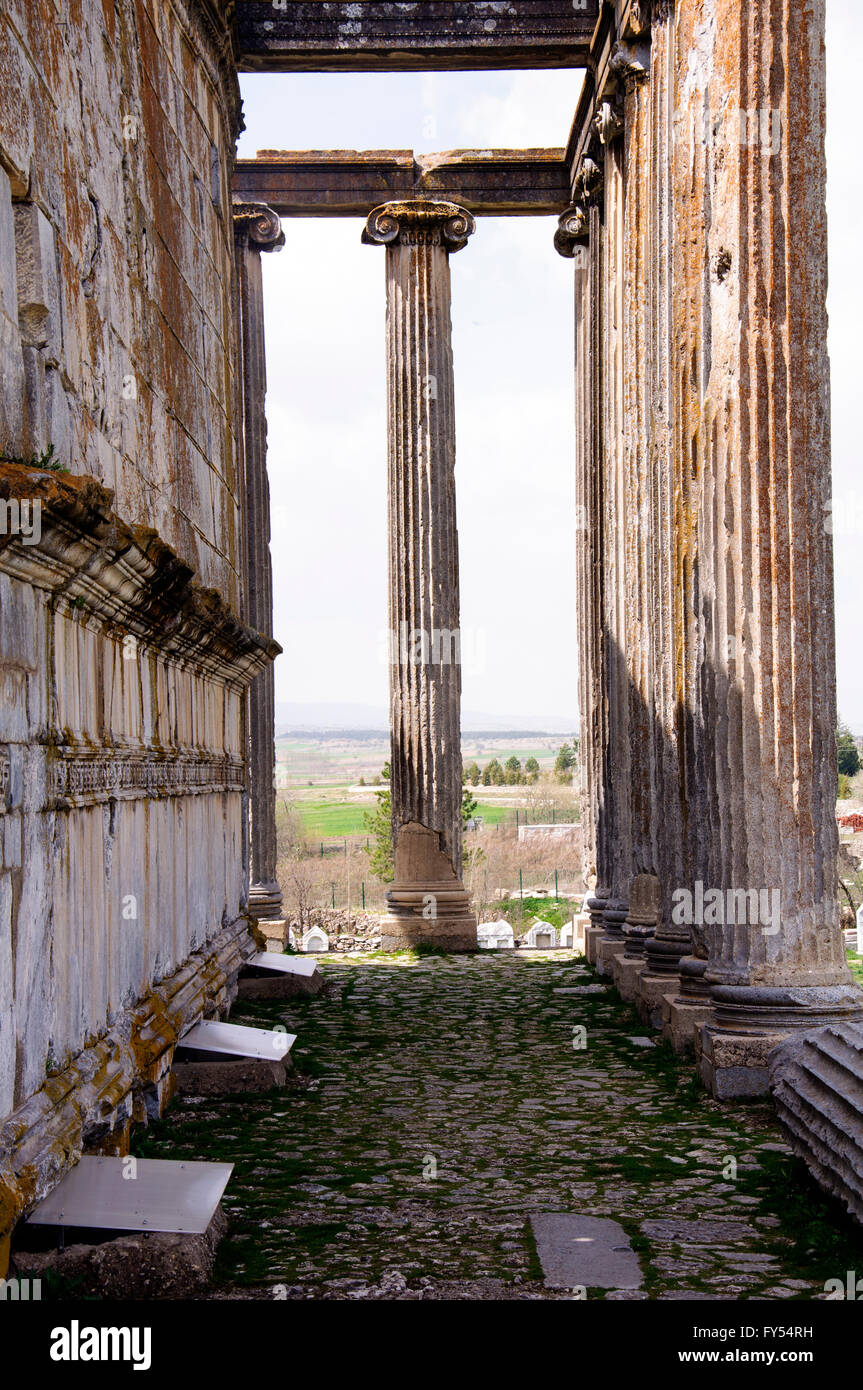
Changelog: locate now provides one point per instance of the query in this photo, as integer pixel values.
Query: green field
(332, 819)
(324, 819)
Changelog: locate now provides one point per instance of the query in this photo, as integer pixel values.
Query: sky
(512, 312)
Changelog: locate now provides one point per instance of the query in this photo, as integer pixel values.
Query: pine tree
(379, 824)
(512, 767)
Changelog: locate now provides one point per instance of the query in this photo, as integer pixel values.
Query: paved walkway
(439, 1102)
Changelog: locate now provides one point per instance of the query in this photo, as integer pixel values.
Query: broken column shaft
(427, 901)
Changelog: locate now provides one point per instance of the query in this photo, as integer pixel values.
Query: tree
(849, 753)
(531, 768)
(472, 775)
(564, 763)
(512, 767)
(379, 824)
(487, 774)
(494, 775)
(469, 806)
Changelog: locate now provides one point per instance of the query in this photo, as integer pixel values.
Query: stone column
(753, 442)
(257, 228)
(427, 901)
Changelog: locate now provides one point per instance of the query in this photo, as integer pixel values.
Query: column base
(651, 988)
(265, 901)
(275, 931)
(683, 1018)
(750, 1020)
(428, 914)
(625, 971)
(606, 949)
(592, 938)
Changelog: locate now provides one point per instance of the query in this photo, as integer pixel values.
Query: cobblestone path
(439, 1101)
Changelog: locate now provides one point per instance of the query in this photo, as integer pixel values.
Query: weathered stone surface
(349, 183)
(392, 37)
(816, 1078)
(123, 1078)
(157, 1265)
(426, 900)
(586, 1251)
(705, 569)
(393, 1160)
(243, 1076)
(257, 229)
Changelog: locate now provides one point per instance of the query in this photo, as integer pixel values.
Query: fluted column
(427, 901)
(257, 229)
(753, 437)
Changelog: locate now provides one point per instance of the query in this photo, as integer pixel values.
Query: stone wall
(117, 334)
(123, 804)
(124, 664)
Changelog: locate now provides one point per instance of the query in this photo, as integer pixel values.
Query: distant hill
(364, 721)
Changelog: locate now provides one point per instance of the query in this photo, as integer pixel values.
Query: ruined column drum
(427, 901)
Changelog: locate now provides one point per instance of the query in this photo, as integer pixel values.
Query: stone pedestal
(427, 902)
(684, 1013)
(612, 942)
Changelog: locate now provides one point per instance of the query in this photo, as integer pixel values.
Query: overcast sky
(512, 333)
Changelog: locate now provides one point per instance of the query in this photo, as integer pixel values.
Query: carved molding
(638, 19)
(419, 224)
(630, 61)
(124, 580)
(608, 122)
(81, 777)
(258, 226)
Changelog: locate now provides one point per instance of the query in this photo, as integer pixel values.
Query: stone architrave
(257, 228)
(427, 901)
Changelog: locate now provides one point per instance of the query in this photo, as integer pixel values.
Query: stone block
(140, 1266)
(683, 1018)
(734, 1066)
(584, 1251)
(651, 989)
(606, 950)
(279, 986)
(592, 938)
(246, 1075)
(275, 933)
(625, 971)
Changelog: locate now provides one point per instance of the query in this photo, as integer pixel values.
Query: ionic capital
(258, 225)
(573, 228)
(419, 223)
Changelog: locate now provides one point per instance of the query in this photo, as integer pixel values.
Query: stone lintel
(349, 183)
(449, 35)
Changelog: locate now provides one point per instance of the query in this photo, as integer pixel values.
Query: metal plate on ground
(287, 965)
(142, 1194)
(234, 1040)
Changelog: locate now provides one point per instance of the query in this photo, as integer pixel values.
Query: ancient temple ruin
(136, 644)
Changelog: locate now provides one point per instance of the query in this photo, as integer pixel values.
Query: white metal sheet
(234, 1040)
(142, 1194)
(287, 965)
